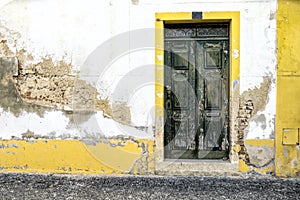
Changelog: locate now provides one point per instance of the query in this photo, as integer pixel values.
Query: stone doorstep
(199, 168)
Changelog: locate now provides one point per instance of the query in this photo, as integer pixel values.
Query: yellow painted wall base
(72, 156)
(267, 169)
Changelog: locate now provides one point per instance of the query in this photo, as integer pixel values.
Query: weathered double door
(196, 91)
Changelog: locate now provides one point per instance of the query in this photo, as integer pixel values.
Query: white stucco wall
(71, 30)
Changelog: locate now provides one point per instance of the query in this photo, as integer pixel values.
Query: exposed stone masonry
(245, 113)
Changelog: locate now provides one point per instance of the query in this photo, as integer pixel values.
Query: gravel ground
(49, 186)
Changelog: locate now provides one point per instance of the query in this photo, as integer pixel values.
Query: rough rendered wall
(86, 69)
(51, 41)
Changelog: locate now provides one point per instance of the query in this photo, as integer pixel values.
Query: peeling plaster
(258, 95)
(257, 128)
(30, 125)
(260, 120)
(135, 2)
(251, 102)
(11, 101)
(45, 87)
(260, 156)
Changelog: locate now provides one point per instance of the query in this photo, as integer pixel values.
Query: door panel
(213, 93)
(196, 96)
(212, 58)
(212, 131)
(180, 86)
(181, 128)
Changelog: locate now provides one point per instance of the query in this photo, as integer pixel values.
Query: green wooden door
(196, 91)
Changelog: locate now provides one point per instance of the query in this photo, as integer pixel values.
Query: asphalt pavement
(56, 186)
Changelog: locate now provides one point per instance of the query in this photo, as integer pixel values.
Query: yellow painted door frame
(192, 17)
